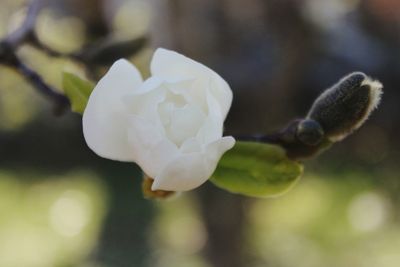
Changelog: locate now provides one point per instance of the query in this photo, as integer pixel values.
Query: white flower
(170, 124)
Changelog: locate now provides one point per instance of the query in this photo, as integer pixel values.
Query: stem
(61, 101)
(8, 57)
(24, 32)
(288, 139)
(262, 138)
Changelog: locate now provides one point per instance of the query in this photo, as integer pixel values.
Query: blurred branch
(100, 53)
(26, 30)
(10, 44)
(106, 51)
(9, 58)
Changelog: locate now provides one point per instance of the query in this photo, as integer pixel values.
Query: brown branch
(292, 140)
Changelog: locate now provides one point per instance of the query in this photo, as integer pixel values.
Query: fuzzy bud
(345, 106)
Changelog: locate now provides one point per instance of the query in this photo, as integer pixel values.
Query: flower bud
(309, 132)
(345, 106)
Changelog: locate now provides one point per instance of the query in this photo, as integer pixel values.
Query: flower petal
(184, 123)
(190, 145)
(104, 120)
(172, 66)
(212, 127)
(144, 102)
(189, 171)
(152, 151)
(220, 89)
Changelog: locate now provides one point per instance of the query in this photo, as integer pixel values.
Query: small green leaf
(257, 170)
(77, 90)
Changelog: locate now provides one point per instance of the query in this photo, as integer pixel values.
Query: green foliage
(77, 90)
(256, 169)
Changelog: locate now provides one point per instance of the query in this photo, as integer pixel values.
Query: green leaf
(257, 170)
(77, 90)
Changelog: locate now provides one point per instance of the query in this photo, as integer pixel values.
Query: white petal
(104, 120)
(216, 149)
(212, 127)
(184, 123)
(189, 171)
(172, 66)
(210, 131)
(190, 145)
(220, 89)
(148, 86)
(151, 149)
(145, 101)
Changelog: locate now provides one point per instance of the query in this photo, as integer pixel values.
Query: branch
(25, 31)
(302, 138)
(25, 34)
(9, 58)
(62, 103)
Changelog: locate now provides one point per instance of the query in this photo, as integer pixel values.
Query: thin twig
(288, 138)
(61, 101)
(34, 41)
(263, 138)
(25, 34)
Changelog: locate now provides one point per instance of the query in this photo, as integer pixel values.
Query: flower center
(180, 119)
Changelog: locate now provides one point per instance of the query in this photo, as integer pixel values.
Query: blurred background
(62, 206)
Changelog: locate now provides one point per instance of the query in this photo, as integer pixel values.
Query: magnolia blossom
(170, 124)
